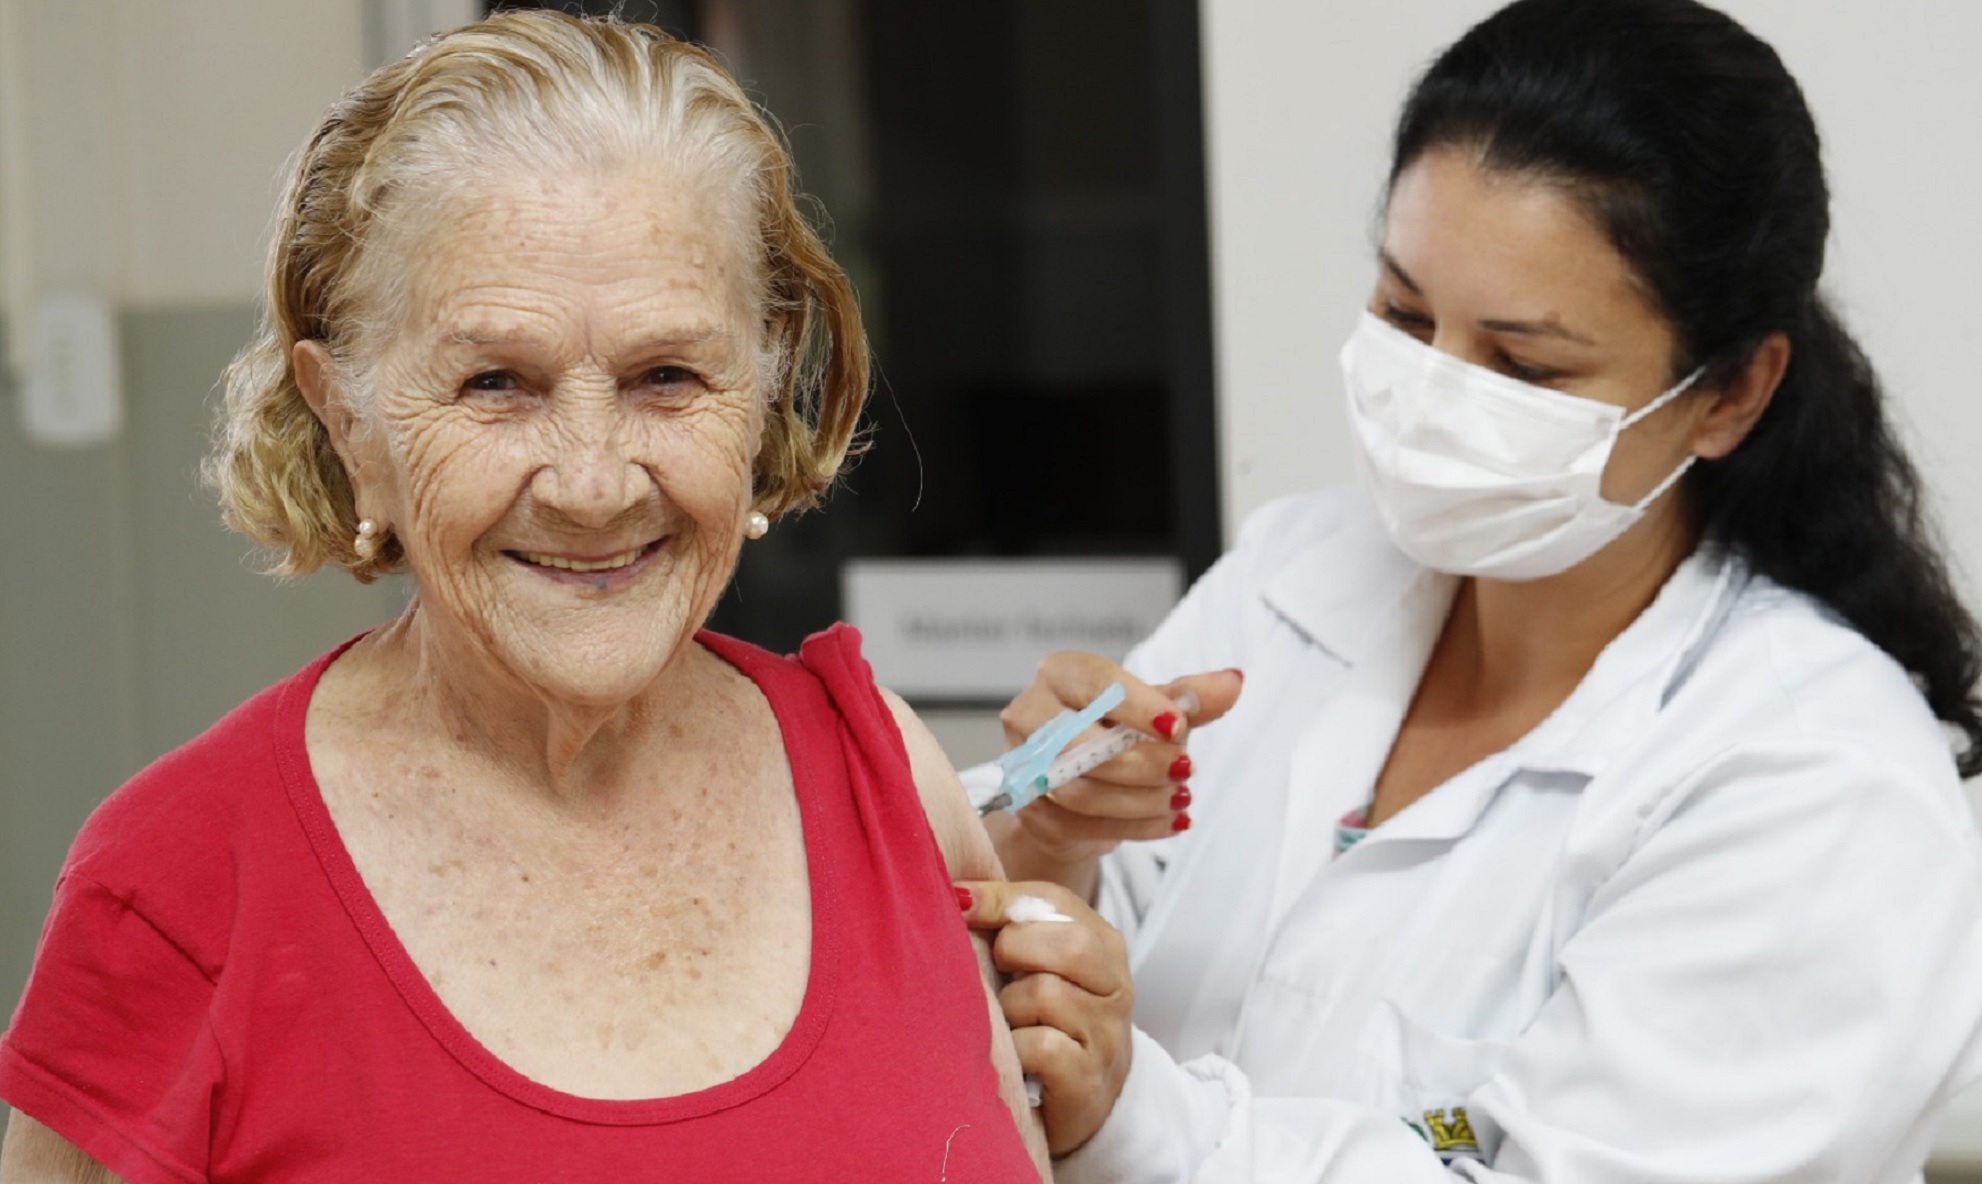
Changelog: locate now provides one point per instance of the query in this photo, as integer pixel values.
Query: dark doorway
(1017, 189)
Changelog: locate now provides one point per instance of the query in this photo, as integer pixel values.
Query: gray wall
(131, 618)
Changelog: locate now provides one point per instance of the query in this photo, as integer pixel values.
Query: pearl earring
(367, 542)
(756, 526)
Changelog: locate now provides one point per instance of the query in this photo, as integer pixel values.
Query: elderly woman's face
(569, 421)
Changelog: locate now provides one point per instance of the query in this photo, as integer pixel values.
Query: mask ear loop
(1672, 478)
(1685, 384)
(1658, 491)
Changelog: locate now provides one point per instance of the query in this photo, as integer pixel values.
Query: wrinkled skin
(575, 381)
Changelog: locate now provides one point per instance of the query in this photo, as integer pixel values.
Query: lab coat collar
(1338, 754)
(1347, 608)
(1367, 605)
(1640, 670)
(1358, 599)
(1386, 615)
(1609, 711)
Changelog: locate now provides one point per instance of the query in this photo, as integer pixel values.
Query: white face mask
(1479, 474)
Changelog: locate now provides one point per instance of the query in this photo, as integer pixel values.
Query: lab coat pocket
(1425, 1077)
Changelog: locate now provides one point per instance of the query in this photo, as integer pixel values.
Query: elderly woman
(535, 881)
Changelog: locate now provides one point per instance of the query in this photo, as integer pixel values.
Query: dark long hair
(1687, 140)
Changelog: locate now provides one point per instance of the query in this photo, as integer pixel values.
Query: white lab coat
(1717, 919)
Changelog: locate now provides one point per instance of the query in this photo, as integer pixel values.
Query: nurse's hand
(1068, 1003)
(1142, 794)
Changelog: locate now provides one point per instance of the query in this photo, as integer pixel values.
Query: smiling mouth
(609, 563)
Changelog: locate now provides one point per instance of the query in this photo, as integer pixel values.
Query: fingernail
(1181, 800)
(1183, 823)
(1180, 769)
(1165, 725)
(964, 898)
(1237, 671)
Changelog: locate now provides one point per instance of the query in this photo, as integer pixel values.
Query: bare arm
(33, 1154)
(968, 853)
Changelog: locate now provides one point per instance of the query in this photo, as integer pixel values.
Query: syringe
(1025, 781)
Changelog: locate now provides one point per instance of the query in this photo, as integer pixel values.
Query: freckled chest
(659, 951)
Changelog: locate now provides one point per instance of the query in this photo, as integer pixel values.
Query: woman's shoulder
(1775, 730)
(182, 821)
(1783, 677)
(825, 696)
(1825, 678)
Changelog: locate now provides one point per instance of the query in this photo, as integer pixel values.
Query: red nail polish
(964, 898)
(1183, 823)
(1181, 800)
(1165, 725)
(1180, 769)
(1237, 671)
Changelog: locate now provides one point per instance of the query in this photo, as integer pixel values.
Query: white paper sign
(72, 397)
(975, 629)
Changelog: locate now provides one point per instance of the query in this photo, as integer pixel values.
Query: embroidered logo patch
(1449, 1132)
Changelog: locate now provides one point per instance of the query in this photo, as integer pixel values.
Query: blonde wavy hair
(549, 91)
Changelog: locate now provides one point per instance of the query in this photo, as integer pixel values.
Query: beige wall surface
(154, 135)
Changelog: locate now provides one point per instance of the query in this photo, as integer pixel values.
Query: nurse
(1589, 812)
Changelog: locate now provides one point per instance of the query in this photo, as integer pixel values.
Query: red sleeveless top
(217, 997)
